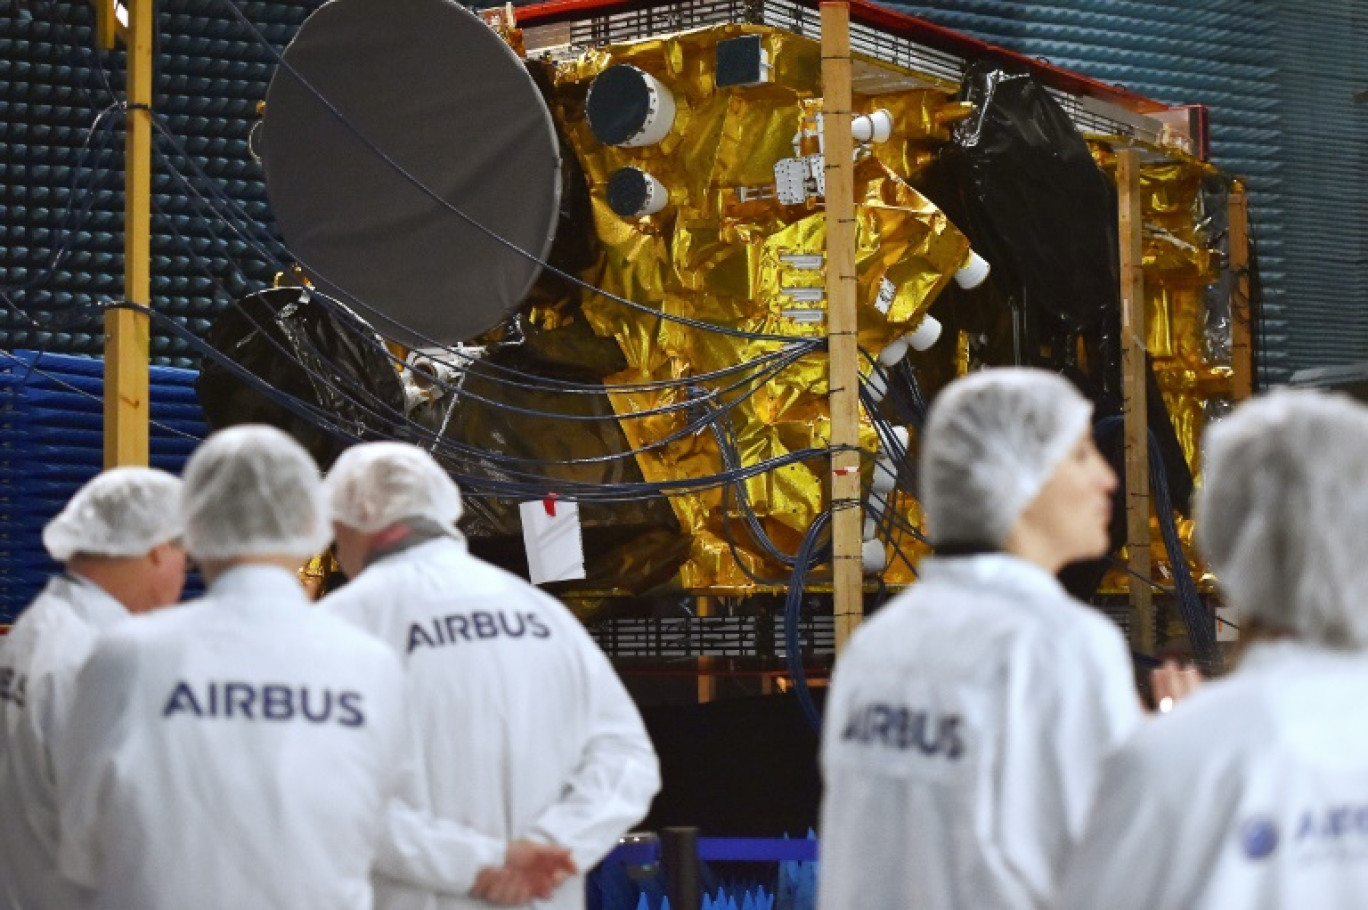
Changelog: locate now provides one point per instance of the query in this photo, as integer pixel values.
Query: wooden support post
(1133, 373)
(1241, 330)
(127, 334)
(707, 681)
(106, 24)
(842, 344)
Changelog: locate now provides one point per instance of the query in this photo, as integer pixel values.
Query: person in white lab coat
(967, 720)
(242, 750)
(527, 734)
(1254, 793)
(119, 541)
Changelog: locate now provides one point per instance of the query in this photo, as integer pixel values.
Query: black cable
(1200, 625)
(793, 608)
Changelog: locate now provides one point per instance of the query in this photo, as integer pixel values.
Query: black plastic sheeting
(1022, 184)
(287, 339)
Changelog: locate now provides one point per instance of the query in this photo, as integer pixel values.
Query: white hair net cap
(253, 491)
(376, 484)
(121, 512)
(991, 442)
(1283, 511)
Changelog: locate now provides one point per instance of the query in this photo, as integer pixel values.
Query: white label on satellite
(554, 540)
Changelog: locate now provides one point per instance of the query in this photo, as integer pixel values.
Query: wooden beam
(106, 24)
(127, 341)
(842, 344)
(707, 665)
(1241, 328)
(1134, 407)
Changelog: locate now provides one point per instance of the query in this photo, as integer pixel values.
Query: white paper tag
(554, 542)
(1227, 623)
(887, 291)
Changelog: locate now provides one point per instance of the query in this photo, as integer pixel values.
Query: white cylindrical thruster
(873, 556)
(875, 127)
(894, 351)
(974, 272)
(926, 334)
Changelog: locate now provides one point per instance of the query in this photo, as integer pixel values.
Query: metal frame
(876, 34)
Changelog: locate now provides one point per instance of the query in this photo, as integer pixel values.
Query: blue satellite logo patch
(1259, 837)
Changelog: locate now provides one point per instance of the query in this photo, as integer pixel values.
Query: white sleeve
(422, 850)
(419, 848)
(1127, 857)
(86, 754)
(31, 758)
(1068, 709)
(617, 776)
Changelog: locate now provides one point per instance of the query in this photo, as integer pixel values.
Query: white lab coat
(235, 752)
(524, 729)
(965, 729)
(39, 660)
(1251, 795)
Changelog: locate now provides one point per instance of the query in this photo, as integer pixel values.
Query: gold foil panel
(722, 252)
(1178, 263)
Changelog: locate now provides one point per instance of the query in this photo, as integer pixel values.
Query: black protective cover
(318, 354)
(446, 99)
(1023, 185)
(1044, 214)
(1048, 210)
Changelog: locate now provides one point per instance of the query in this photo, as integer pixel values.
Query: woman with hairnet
(240, 751)
(118, 539)
(1254, 794)
(526, 734)
(967, 721)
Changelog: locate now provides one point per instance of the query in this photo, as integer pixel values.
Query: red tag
(549, 503)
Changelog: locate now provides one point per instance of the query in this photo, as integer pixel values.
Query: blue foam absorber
(52, 441)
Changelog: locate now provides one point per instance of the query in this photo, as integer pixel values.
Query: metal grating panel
(866, 40)
(659, 20)
(938, 67)
(710, 636)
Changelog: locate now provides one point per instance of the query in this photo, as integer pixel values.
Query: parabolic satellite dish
(436, 90)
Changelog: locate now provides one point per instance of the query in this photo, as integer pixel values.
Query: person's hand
(530, 870)
(1172, 683)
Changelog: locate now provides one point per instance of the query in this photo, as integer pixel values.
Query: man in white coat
(119, 540)
(967, 721)
(1254, 793)
(240, 751)
(527, 734)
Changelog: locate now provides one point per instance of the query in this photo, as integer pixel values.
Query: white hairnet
(1283, 513)
(253, 491)
(991, 442)
(121, 512)
(375, 484)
